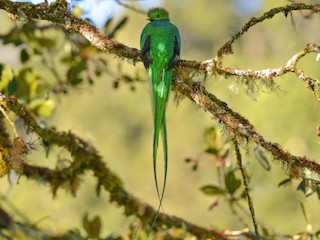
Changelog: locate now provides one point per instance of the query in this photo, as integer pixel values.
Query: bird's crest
(158, 13)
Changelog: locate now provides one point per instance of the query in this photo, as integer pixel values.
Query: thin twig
(245, 181)
(102, 42)
(297, 167)
(267, 75)
(227, 47)
(10, 122)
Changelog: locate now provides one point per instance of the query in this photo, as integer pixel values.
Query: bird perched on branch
(160, 52)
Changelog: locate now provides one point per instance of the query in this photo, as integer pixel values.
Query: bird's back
(163, 35)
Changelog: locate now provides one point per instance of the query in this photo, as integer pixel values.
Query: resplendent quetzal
(160, 52)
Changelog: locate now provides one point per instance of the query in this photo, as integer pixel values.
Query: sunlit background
(118, 122)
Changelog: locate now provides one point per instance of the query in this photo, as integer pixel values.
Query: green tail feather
(165, 152)
(161, 83)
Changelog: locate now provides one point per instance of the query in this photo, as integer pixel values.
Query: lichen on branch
(86, 158)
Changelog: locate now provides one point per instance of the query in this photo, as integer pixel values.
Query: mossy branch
(267, 75)
(299, 167)
(86, 158)
(57, 13)
(235, 142)
(227, 47)
(296, 166)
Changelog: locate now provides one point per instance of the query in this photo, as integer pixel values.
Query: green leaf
(97, 71)
(13, 37)
(262, 159)
(318, 191)
(212, 141)
(6, 77)
(13, 87)
(213, 190)
(27, 84)
(75, 71)
(243, 194)
(24, 55)
(232, 183)
(305, 213)
(92, 227)
(301, 186)
(46, 108)
(42, 107)
(75, 80)
(119, 25)
(107, 24)
(46, 42)
(69, 59)
(285, 182)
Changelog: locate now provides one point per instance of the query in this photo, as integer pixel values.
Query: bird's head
(157, 14)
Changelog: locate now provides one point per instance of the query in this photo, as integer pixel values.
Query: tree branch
(85, 157)
(57, 14)
(296, 167)
(300, 167)
(227, 47)
(267, 75)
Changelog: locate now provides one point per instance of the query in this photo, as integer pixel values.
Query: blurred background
(118, 121)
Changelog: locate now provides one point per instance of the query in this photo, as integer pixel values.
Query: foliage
(55, 60)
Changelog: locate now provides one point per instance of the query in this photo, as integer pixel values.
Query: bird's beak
(148, 19)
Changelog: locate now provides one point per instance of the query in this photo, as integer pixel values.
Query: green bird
(160, 52)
